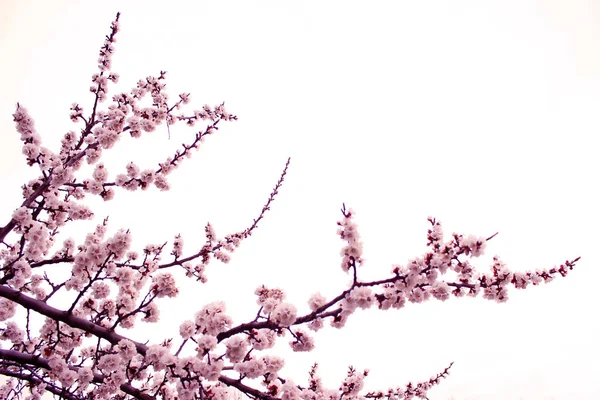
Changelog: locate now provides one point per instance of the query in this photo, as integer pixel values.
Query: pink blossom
(109, 362)
(79, 212)
(474, 245)
(38, 241)
(119, 244)
(340, 320)
(22, 216)
(121, 180)
(161, 182)
(93, 154)
(303, 341)
(361, 297)
(417, 295)
(147, 125)
(212, 320)
(222, 256)
(262, 339)
(289, 391)
(316, 301)
(187, 329)
(164, 285)
(100, 290)
(284, 314)
(31, 151)
(124, 276)
(212, 371)
(48, 160)
(237, 347)
(272, 364)
(348, 231)
(106, 137)
(159, 357)
(12, 332)
(85, 375)
(39, 293)
(268, 299)
(252, 368)
(316, 324)
(206, 343)
(126, 349)
(147, 176)
(440, 290)
(57, 364)
(177, 246)
(132, 170)
(151, 313)
(93, 187)
(353, 383)
(210, 232)
(21, 269)
(68, 377)
(26, 126)
(100, 173)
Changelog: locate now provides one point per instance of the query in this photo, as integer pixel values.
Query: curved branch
(40, 362)
(96, 330)
(36, 381)
(245, 389)
(62, 316)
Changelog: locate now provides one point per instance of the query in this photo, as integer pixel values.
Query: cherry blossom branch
(266, 207)
(37, 381)
(410, 390)
(41, 362)
(79, 323)
(62, 316)
(99, 265)
(246, 389)
(244, 234)
(12, 223)
(319, 312)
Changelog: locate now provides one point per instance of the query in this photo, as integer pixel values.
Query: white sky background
(480, 113)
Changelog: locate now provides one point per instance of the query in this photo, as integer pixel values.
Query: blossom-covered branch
(63, 333)
(24, 360)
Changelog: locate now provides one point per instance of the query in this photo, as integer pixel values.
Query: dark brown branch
(36, 381)
(40, 362)
(62, 316)
(245, 389)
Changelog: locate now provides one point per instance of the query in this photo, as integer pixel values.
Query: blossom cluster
(84, 293)
(348, 231)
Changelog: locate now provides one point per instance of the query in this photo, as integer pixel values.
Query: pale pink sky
(483, 114)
